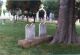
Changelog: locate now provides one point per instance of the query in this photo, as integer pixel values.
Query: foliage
(1, 2)
(77, 4)
(23, 5)
(52, 6)
(0, 6)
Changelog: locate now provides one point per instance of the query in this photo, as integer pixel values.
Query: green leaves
(52, 6)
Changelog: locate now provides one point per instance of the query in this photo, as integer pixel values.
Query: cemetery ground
(10, 33)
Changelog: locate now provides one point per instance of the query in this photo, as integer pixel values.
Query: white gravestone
(30, 31)
(26, 31)
(50, 16)
(3, 21)
(37, 14)
(42, 30)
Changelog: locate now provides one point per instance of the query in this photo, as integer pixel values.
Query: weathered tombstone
(30, 31)
(42, 29)
(3, 21)
(50, 16)
(26, 31)
(37, 14)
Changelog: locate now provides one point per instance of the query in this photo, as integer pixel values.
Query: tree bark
(66, 31)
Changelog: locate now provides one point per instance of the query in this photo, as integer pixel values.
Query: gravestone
(42, 30)
(30, 31)
(26, 31)
(37, 14)
(51, 16)
(3, 21)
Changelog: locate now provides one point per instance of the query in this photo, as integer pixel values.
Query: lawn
(10, 33)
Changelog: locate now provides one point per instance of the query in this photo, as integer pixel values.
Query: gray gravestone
(3, 21)
(30, 31)
(26, 31)
(42, 29)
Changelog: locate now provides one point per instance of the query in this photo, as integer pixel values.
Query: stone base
(24, 43)
(28, 43)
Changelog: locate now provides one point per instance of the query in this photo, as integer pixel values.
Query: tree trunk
(66, 31)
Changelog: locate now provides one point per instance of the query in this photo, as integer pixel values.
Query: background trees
(24, 5)
(77, 9)
(0, 6)
(30, 6)
(52, 6)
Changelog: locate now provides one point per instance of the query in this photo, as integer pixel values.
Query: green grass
(10, 33)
